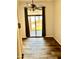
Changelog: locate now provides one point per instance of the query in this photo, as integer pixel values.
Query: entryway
(35, 25)
(35, 22)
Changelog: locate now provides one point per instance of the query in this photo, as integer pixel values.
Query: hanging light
(33, 7)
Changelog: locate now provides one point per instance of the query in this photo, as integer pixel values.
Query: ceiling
(35, 0)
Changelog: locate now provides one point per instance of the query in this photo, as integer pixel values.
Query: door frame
(27, 23)
(35, 25)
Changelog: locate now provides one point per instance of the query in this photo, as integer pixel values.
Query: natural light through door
(35, 24)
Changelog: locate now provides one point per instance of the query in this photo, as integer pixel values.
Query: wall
(19, 44)
(21, 18)
(49, 19)
(57, 20)
(20, 32)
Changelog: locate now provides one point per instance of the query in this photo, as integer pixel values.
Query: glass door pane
(39, 25)
(35, 25)
(32, 25)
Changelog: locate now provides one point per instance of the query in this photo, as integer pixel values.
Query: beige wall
(19, 45)
(21, 18)
(20, 33)
(49, 19)
(57, 20)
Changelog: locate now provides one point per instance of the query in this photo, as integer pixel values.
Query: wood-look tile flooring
(41, 48)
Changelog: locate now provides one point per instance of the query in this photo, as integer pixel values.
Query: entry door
(32, 21)
(35, 25)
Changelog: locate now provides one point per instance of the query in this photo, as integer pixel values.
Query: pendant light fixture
(33, 6)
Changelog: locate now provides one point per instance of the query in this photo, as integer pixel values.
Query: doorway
(35, 25)
(35, 22)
